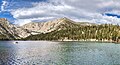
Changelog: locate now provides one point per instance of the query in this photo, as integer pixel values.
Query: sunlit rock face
(3, 21)
(11, 31)
(20, 32)
(33, 28)
(30, 28)
(5, 29)
(44, 27)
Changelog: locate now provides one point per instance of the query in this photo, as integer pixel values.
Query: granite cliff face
(5, 29)
(33, 28)
(16, 32)
(11, 31)
(44, 27)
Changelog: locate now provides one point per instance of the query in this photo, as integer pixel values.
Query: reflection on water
(58, 53)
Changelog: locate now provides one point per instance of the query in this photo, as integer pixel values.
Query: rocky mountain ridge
(33, 28)
(44, 27)
(5, 29)
(11, 31)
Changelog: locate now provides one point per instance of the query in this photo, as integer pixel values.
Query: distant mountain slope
(44, 27)
(99, 32)
(9, 31)
(16, 32)
(57, 24)
(33, 28)
(59, 29)
(5, 31)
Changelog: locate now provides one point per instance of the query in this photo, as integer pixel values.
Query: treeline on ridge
(98, 32)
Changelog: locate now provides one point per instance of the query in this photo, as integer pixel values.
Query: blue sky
(14, 4)
(94, 11)
(113, 15)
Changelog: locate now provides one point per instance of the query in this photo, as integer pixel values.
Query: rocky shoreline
(92, 40)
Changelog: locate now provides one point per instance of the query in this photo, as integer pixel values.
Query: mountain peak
(64, 18)
(4, 21)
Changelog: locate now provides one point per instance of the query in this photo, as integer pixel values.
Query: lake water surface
(59, 53)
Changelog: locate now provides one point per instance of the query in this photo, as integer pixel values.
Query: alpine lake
(59, 53)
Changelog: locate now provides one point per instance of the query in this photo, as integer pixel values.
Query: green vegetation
(3, 37)
(77, 32)
(7, 36)
(69, 30)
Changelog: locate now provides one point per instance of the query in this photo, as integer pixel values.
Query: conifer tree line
(98, 32)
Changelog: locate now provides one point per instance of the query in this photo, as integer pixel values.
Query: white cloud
(4, 4)
(21, 22)
(78, 10)
(105, 4)
(40, 10)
